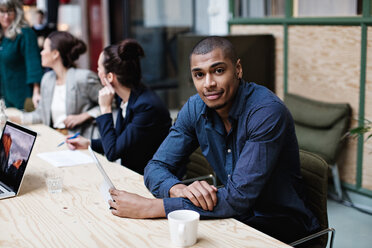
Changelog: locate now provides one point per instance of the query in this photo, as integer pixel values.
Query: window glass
(259, 8)
(318, 8)
(173, 13)
(155, 24)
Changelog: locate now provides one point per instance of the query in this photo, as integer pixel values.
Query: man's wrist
(176, 190)
(155, 209)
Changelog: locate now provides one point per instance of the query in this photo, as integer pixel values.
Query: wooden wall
(324, 64)
(367, 154)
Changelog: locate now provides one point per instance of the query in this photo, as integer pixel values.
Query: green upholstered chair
(314, 171)
(199, 169)
(320, 127)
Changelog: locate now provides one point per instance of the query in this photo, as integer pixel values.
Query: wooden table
(78, 217)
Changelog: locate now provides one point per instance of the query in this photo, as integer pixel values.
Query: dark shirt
(135, 138)
(257, 161)
(41, 30)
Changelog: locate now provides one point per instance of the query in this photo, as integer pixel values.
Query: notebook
(15, 149)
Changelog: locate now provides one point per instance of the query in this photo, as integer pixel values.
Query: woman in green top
(20, 66)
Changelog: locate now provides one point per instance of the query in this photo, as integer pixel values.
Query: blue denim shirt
(257, 161)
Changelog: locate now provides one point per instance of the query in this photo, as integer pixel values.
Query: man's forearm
(200, 193)
(131, 205)
(155, 209)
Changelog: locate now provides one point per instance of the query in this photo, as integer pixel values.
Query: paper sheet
(66, 158)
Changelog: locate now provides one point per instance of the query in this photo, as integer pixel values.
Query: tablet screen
(100, 168)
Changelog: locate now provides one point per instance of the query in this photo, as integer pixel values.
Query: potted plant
(361, 130)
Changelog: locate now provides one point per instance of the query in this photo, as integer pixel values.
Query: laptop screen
(15, 149)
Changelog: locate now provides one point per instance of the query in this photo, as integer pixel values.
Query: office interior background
(318, 49)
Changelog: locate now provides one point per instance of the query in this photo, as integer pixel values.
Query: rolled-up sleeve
(264, 135)
(173, 152)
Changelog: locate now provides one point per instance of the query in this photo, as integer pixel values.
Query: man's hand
(72, 121)
(77, 143)
(200, 193)
(130, 205)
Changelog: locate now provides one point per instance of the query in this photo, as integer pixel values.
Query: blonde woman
(20, 67)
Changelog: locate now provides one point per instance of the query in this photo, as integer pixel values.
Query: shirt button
(228, 150)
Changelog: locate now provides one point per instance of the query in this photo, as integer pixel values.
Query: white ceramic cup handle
(181, 233)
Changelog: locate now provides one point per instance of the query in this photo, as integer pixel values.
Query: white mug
(183, 227)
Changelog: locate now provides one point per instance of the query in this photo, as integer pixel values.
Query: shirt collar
(134, 94)
(123, 106)
(239, 100)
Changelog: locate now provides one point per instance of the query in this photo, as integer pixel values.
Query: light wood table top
(78, 217)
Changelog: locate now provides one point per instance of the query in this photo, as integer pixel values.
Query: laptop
(15, 149)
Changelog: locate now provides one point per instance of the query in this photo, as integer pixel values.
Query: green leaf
(359, 130)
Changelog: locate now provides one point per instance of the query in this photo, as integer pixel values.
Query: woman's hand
(72, 121)
(105, 98)
(78, 143)
(15, 118)
(36, 95)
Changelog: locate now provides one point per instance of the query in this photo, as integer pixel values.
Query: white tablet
(100, 168)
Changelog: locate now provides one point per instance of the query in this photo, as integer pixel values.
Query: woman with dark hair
(20, 68)
(142, 121)
(69, 96)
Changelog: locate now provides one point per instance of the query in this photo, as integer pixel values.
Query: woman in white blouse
(69, 96)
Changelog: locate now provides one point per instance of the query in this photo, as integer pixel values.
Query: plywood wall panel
(347, 162)
(367, 153)
(277, 32)
(324, 64)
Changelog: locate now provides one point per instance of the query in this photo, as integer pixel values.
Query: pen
(72, 137)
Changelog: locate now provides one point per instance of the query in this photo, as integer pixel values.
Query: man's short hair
(210, 43)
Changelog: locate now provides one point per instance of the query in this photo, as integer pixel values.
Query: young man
(247, 135)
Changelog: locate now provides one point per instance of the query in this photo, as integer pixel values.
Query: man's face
(216, 78)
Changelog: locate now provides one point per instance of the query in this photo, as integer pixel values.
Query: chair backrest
(314, 171)
(320, 126)
(198, 166)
